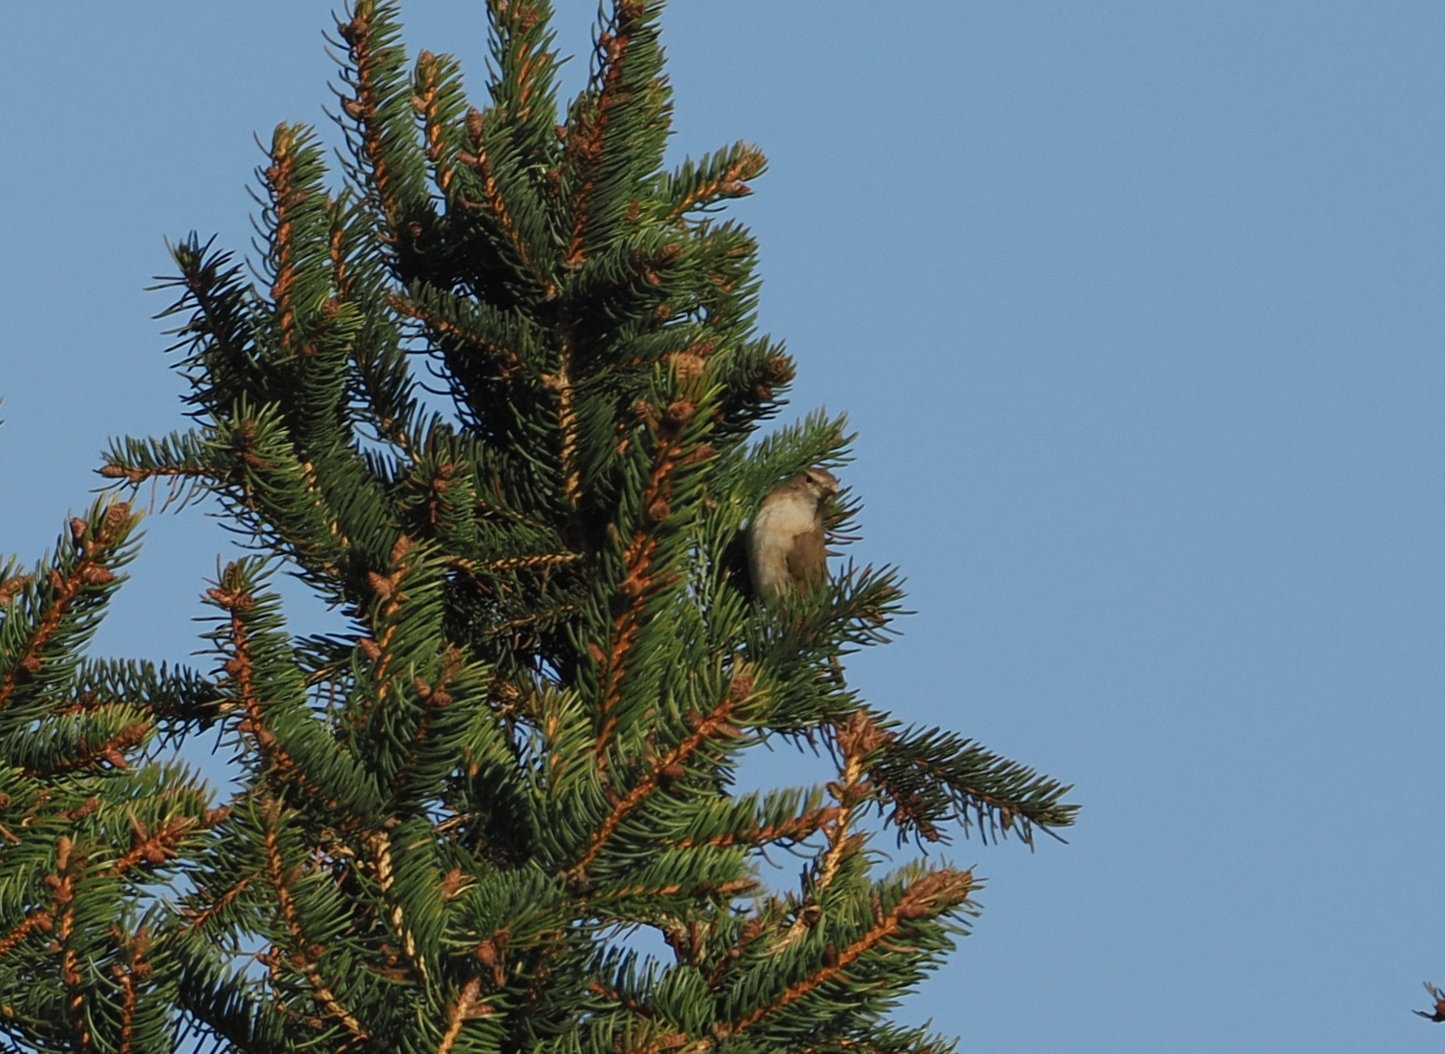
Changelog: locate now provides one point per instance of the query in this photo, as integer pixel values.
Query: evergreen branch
(155, 846)
(524, 90)
(198, 918)
(638, 581)
(588, 135)
(623, 296)
(283, 491)
(857, 740)
(621, 999)
(136, 474)
(181, 461)
(375, 59)
(715, 725)
(383, 391)
(128, 977)
(63, 611)
(64, 996)
(932, 775)
(308, 330)
(459, 328)
(931, 895)
(219, 335)
(280, 180)
(11, 584)
(560, 385)
(463, 1009)
(818, 439)
(79, 751)
(494, 202)
(507, 564)
(227, 1003)
(301, 957)
(715, 178)
(292, 748)
(792, 830)
(888, 1040)
(435, 82)
(233, 597)
(379, 845)
(62, 883)
(642, 891)
(759, 371)
(169, 693)
(43, 920)
(389, 598)
(336, 249)
(550, 616)
(411, 726)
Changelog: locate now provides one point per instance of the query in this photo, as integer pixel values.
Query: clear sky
(1137, 308)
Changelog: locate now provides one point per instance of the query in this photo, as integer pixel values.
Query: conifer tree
(495, 398)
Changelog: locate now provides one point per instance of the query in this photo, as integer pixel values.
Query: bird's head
(818, 483)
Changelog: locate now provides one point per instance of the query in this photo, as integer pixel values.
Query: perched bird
(785, 540)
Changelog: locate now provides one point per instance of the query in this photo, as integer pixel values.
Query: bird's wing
(808, 557)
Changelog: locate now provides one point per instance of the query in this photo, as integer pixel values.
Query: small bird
(785, 540)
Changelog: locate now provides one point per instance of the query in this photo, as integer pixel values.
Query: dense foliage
(457, 819)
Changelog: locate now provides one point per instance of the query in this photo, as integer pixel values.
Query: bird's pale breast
(780, 520)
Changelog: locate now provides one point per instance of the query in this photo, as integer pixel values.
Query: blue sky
(1137, 308)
